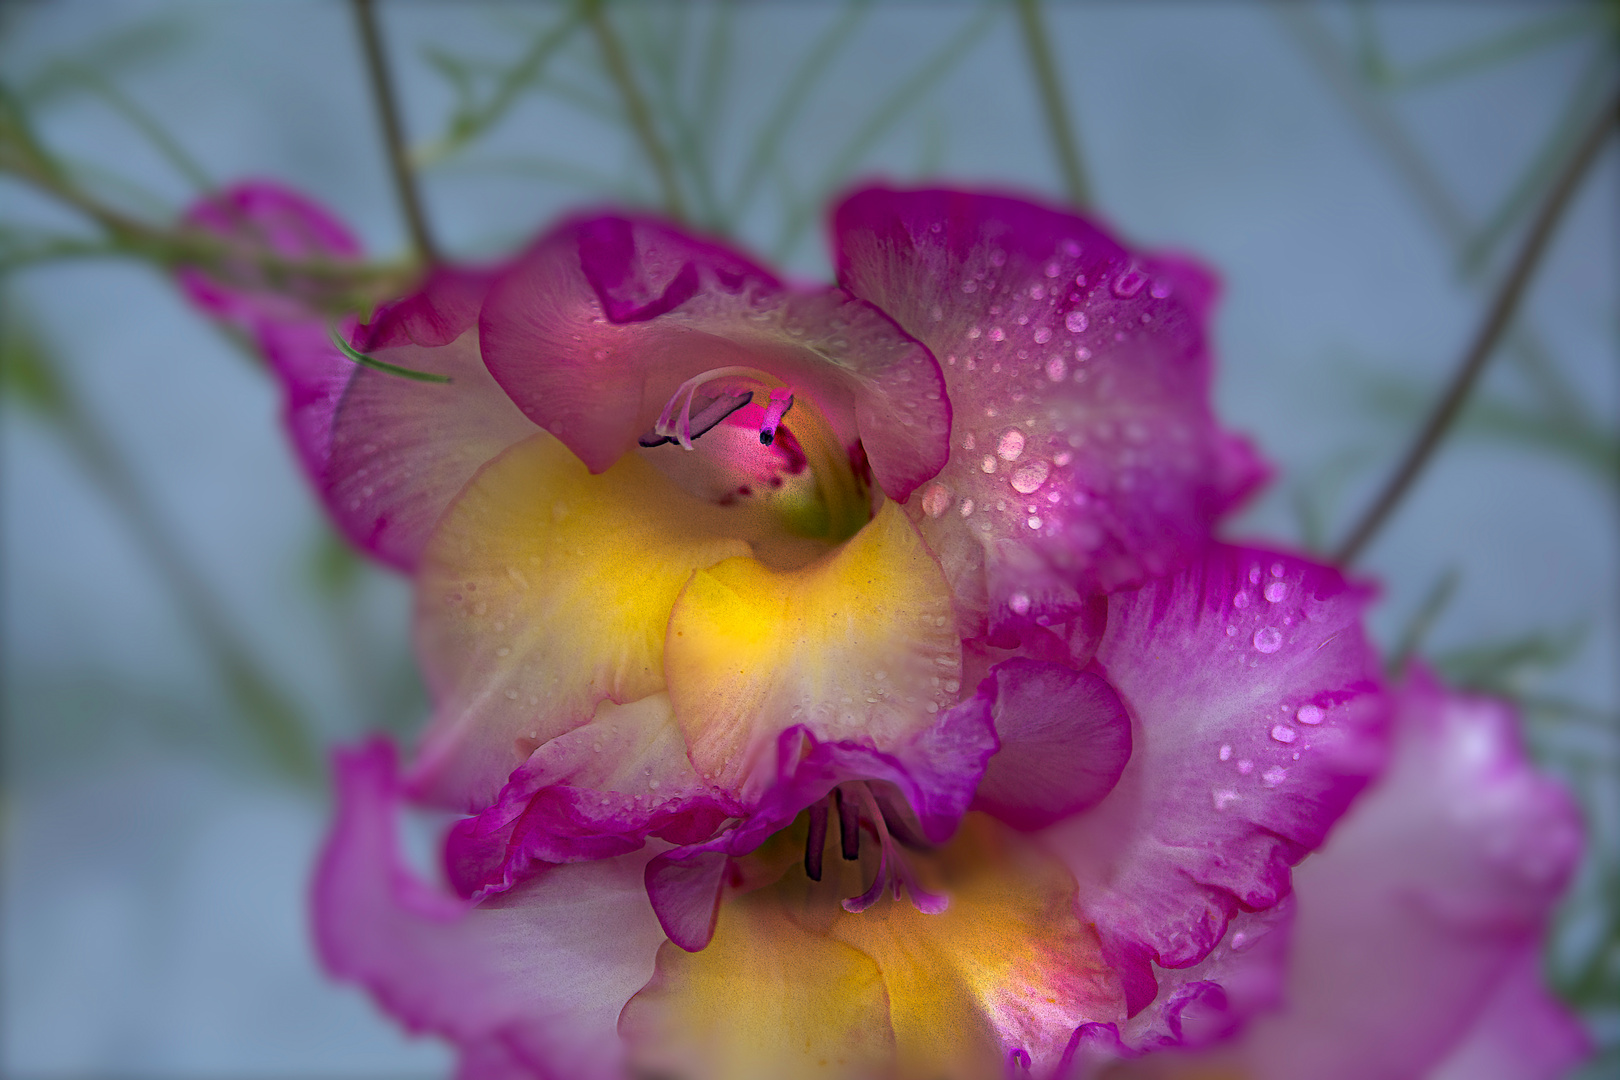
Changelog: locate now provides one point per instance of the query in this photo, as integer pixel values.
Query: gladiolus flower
(837, 681)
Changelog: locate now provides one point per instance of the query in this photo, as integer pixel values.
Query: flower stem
(1498, 314)
(382, 89)
(1052, 102)
(635, 107)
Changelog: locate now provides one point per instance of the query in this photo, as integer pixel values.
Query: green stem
(635, 108)
(1498, 314)
(399, 162)
(270, 715)
(1047, 85)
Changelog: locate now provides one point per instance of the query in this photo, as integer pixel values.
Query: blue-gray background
(155, 868)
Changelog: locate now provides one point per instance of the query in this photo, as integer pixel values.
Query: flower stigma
(798, 480)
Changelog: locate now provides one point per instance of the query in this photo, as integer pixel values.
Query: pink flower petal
(400, 450)
(1064, 737)
(1522, 1033)
(1084, 455)
(264, 218)
(1256, 718)
(598, 325)
(595, 791)
(444, 307)
(1420, 921)
(535, 978)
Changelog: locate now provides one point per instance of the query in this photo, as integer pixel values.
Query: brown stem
(382, 89)
(1498, 315)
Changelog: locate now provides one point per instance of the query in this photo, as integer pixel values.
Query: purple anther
(699, 416)
(849, 826)
(817, 840)
(781, 401)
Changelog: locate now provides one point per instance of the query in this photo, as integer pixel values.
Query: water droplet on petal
(1028, 478)
(1226, 751)
(1129, 283)
(936, 500)
(1276, 569)
(1268, 639)
(1284, 734)
(1019, 602)
(1241, 600)
(988, 464)
(1076, 321)
(1043, 334)
(1276, 591)
(1057, 369)
(1274, 775)
(1309, 714)
(1011, 445)
(1224, 797)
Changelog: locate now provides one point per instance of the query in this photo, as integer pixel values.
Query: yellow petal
(766, 1000)
(859, 645)
(544, 591)
(1007, 966)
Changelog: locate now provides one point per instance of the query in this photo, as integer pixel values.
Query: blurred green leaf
(888, 112)
(113, 55)
(795, 94)
(471, 118)
(1432, 606)
(1504, 667)
(1578, 442)
(26, 372)
(1476, 56)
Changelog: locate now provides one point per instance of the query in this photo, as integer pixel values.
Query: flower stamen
(711, 408)
(893, 868)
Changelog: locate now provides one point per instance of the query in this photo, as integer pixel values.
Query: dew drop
(1274, 775)
(1043, 334)
(988, 464)
(1033, 522)
(1276, 569)
(1027, 479)
(1224, 797)
(1057, 369)
(1129, 283)
(1241, 600)
(936, 500)
(1268, 639)
(1226, 751)
(1284, 734)
(966, 509)
(1019, 602)
(1011, 445)
(997, 334)
(1309, 714)
(1076, 321)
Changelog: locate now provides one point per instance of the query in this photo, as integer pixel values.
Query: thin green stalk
(792, 99)
(1425, 185)
(469, 124)
(1053, 104)
(138, 118)
(1497, 317)
(271, 717)
(382, 91)
(384, 366)
(885, 116)
(635, 108)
